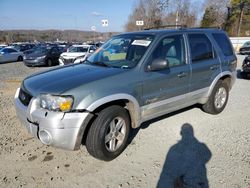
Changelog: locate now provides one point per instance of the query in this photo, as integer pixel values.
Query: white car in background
(76, 54)
(10, 54)
(2, 46)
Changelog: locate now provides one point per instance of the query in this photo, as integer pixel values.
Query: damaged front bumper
(59, 129)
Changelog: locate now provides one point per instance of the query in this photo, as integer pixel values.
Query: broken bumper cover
(62, 130)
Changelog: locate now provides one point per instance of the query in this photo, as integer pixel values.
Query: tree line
(230, 15)
(10, 36)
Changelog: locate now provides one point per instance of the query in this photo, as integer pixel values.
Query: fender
(133, 106)
(218, 77)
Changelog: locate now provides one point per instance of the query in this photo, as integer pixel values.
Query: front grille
(68, 61)
(24, 97)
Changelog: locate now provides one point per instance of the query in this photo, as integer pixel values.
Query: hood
(71, 55)
(62, 79)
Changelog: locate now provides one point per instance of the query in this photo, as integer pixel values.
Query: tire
(49, 62)
(218, 98)
(102, 142)
(20, 58)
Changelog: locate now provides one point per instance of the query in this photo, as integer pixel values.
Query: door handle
(182, 74)
(214, 67)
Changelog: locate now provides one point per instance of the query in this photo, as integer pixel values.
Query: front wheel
(108, 135)
(49, 62)
(20, 58)
(218, 98)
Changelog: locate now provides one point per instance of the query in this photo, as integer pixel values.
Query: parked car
(76, 54)
(23, 47)
(99, 101)
(42, 56)
(246, 67)
(9, 54)
(245, 49)
(2, 46)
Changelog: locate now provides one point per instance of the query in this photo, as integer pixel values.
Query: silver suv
(132, 78)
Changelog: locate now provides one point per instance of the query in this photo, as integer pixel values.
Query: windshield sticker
(141, 42)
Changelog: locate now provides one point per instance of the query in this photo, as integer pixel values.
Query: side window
(5, 50)
(171, 48)
(11, 50)
(54, 50)
(92, 48)
(224, 44)
(201, 47)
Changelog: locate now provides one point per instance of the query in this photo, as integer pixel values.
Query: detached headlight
(56, 103)
(42, 57)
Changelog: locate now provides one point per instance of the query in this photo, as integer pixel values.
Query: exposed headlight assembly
(55, 103)
(42, 57)
(80, 59)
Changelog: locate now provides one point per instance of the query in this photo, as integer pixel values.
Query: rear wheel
(108, 135)
(218, 98)
(20, 58)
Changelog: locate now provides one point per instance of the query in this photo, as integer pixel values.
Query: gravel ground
(209, 149)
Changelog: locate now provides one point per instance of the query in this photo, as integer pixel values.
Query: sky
(64, 14)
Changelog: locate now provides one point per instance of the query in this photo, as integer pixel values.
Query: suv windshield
(123, 51)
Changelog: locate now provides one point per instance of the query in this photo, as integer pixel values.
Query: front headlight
(55, 103)
(42, 57)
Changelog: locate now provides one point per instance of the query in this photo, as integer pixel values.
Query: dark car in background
(43, 55)
(245, 49)
(246, 67)
(23, 47)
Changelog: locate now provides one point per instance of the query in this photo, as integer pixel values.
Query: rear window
(201, 47)
(224, 44)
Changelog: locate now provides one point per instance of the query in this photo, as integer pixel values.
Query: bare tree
(150, 11)
(216, 13)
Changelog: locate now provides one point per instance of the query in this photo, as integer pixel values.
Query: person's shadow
(185, 164)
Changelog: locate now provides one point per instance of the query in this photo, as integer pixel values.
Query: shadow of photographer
(185, 164)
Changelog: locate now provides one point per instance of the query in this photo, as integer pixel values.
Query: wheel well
(20, 57)
(227, 79)
(123, 103)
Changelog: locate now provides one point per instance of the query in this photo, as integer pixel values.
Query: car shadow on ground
(185, 163)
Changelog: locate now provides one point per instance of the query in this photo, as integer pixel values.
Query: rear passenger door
(166, 89)
(205, 63)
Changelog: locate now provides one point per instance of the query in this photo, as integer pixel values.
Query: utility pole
(242, 5)
(177, 19)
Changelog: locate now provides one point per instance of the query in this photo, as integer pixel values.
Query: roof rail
(206, 27)
(168, 26)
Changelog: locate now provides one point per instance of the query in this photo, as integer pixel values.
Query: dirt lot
(217, 151)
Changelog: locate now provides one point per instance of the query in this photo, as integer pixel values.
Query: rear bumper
(58, 129)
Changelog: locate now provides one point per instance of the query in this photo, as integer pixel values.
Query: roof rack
(181, 27)
(168, 26)
(206, 27)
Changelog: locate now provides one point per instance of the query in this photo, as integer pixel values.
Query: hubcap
(115, 134)
(220, 97)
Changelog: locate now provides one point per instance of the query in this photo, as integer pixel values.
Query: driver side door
(166, 90)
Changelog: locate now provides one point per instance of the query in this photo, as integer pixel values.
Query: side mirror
(2, 53)
(91, 51)
(158, 64)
